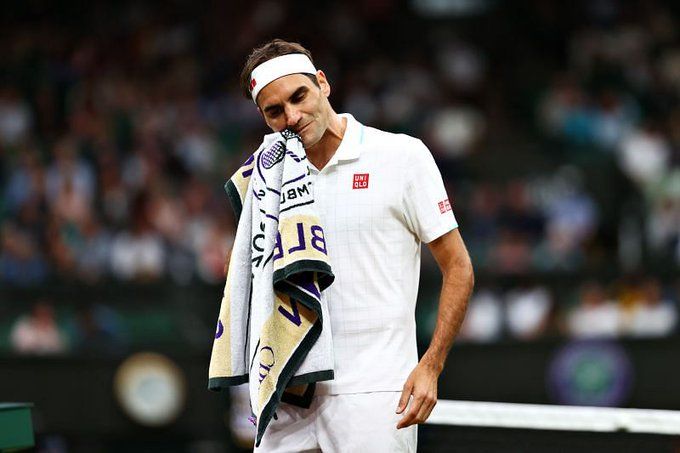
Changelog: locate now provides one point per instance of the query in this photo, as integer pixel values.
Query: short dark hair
(272, 49)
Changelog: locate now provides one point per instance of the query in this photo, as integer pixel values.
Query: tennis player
(379, 196)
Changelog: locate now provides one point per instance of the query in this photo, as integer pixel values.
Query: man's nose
(292, 117)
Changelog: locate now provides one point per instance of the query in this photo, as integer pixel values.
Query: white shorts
(355, 422)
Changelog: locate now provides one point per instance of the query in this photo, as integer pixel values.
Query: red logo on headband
(252, 84)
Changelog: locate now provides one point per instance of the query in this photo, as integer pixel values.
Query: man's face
(294, 102)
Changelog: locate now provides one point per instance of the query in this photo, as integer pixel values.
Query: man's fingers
(405, 395)
(426, 409)
(412, 413)
(407, 420)
(419, 411)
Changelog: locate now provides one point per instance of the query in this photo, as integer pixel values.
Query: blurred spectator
(565, 111)
(595, 315)
(511, 253)
(522, 226)
(93, 253)
(571, 218)
(455, 130)
(528, 312)
(484, 318)
(115, 197)
(645, 155)
(651, 315)
(520, 213)
(669, 68)
(663, 224)
(211, 250)
(481, 228)
(16, 117)
(568, 111)
(138, 254)
(26, 182)
(70, 177)
(21, 263)
(460, 64)
(99, 329)
(38, 332)
(197, 147)
(615, 116)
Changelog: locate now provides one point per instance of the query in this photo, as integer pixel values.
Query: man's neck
(322, 152)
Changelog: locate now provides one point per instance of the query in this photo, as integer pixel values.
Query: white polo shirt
(378, 198)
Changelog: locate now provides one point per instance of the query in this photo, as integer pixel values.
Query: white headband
(275, 68)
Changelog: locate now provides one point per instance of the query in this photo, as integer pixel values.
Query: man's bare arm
(458, 280)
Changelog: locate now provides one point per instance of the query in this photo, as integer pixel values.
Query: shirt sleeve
(427, 207)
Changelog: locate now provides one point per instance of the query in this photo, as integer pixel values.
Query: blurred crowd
(632, 308)
(556, 127)
(95, 328)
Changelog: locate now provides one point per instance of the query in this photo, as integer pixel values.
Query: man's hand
(422, 384)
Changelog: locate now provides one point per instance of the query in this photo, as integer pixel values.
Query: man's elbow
(461, 271)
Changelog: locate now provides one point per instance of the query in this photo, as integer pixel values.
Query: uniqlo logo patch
(444, 206)
(252, 84)
(360, 181)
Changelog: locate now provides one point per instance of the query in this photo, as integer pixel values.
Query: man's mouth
(302, 128)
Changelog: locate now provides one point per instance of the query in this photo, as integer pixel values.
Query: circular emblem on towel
(273, 155)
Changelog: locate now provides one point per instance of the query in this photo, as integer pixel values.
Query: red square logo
(360, 181)
(444, 206)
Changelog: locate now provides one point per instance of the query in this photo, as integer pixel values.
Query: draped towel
(273, 329)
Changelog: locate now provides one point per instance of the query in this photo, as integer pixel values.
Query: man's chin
(308, 142)
(309, 146)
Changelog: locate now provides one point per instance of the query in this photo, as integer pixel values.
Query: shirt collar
(350, 146)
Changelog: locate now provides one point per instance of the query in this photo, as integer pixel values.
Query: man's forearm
(456, 289)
